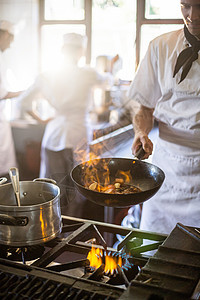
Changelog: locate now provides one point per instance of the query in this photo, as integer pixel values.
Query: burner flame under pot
(37, 220)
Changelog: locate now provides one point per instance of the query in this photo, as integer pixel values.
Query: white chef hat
(75, 39)
(7, 26)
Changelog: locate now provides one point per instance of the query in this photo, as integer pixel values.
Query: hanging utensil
(14, 176)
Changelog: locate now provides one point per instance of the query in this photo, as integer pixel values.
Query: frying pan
(146, 176)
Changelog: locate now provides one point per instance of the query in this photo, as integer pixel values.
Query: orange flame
(126, 175)
(92, 174)
(94, 257)
(111, 263)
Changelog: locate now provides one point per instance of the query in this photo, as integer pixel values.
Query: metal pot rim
(31, 207)
(25, 208)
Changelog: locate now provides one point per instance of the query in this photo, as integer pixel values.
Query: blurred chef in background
(69, 91)
(7, 151)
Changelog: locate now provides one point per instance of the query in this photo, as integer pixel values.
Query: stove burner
(116, 276)
(19, 253)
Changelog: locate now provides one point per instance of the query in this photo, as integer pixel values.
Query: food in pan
(118, 187)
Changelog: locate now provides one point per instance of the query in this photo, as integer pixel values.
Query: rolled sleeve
(145, 88)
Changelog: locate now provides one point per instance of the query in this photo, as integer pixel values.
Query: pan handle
(140, 153)
(13, 221)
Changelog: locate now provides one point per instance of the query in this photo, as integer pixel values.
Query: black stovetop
(172, 272)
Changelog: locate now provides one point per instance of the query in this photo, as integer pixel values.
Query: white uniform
(71, 99)
(7, 151)
(69, 92)
(177, 151)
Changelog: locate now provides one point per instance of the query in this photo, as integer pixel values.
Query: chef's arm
(10, 95)
(26, 99)
(35, 115)
(142, 118)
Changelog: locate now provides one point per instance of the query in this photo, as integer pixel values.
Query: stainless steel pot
(37, 220)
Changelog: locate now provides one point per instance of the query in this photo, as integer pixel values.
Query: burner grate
(77, 231)
(173, 272)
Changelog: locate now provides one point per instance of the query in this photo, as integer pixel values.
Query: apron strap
(179, 136)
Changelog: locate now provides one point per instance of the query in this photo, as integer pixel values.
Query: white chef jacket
(7, 151)
(69, 92)
(177, 152)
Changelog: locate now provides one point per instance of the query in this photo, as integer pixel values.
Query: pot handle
(45, 180)
(13, 221)
(3, 180)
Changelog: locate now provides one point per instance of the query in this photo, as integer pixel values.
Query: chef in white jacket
(167, 87)
(69, 91)
(7, 150)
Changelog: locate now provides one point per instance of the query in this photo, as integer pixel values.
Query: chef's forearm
(10, 95)
(142, 118)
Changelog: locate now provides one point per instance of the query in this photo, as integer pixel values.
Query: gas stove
(154, 266)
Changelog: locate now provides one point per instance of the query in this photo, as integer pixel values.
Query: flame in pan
(126, 176)
(99, 175)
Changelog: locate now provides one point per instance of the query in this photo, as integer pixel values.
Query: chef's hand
(37, 117)
(141, 139)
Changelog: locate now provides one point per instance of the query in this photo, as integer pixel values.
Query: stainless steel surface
(3, 180)
(14, 176)
(49, 180)
(37, 220)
